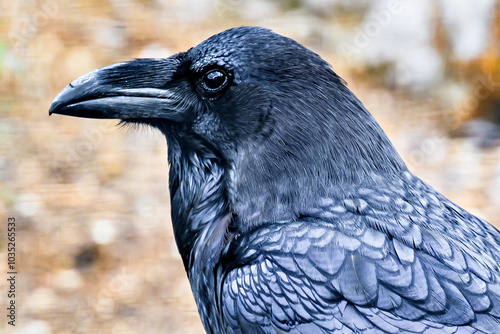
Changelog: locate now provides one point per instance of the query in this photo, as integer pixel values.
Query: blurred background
(95, 249)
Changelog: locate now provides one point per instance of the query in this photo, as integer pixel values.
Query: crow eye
(214, 81)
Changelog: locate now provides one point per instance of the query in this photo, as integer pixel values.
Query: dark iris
(215, 80)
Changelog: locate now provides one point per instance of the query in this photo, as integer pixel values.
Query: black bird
(292, 211)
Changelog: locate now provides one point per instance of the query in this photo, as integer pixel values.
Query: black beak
(139, 89)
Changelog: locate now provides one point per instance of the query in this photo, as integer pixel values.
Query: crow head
(282, 126)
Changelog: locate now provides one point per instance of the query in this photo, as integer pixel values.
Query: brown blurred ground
(95, 250)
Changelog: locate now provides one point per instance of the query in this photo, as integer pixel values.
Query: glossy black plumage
(291, 209)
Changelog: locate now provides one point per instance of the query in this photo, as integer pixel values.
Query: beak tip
(55, 107)
(66, 97)
(51, 109)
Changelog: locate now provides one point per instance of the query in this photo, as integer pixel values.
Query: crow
(291, 209)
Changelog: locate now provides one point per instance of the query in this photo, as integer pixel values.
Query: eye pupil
(214, 79)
